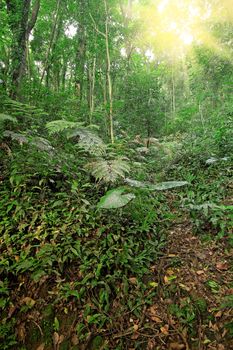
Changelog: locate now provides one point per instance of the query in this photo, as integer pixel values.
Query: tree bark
(21, 26)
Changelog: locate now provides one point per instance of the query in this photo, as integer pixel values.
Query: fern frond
(58, 126)
(41, 144)
(20, 138)
(89, 141)
(6, 117)
(108, 171)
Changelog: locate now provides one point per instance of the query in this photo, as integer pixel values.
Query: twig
(96, 28)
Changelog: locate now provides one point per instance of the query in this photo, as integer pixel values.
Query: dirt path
(194, 286)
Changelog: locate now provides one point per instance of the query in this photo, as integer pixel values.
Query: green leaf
(115, 199)
(169, 184)
(155, 187)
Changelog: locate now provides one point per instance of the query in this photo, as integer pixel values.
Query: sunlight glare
(187, 38)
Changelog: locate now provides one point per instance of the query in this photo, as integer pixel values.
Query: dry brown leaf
(165, 329)
(151, 345)
(135, 327)
(41, 347)
(133, 280)
(28, 301)
(176, 346)
(218, 314)
(170, 272)
(61, 339)
(200, 272)
(21, 332)
(74, 339)
(135, 336)
(56, 338)
(156, 319)
(221, 347)
(222, 266)
(153, 310)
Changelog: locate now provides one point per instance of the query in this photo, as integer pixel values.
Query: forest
(116, 191)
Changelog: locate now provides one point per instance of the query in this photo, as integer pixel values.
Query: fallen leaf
(135, 336)
(133, 280)
(61, 339)
(28, 301)
(135, 327)
(222, 266)
(176, 346)
(74, 339)
(156, 319)
(200, 272)
(221, 347)
(184, 287)
(165, 329)
(56, 338)
(170, 272)
(151, 345)
(21, 332)
(218, 314)
(41, 346)
(153, 310)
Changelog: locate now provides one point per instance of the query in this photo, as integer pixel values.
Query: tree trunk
(51, 42)
(80, 52)
(109, 79)
(21, 26)
(18, 11)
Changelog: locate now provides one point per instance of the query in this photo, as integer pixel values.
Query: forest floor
(192, 275)
(193, 279)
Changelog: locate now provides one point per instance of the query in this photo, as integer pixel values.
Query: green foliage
(115, 199)
(5, 117)
(109, 170)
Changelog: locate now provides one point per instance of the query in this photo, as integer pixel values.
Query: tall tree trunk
(18, 11)
(51, 42)
(80, 52)
(21, 26)
(109, 78)
(92, 90)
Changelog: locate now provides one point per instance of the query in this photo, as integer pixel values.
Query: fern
(20, 138)
(41, 144)
(108, 171)
(89, 141)
(58, 126)
(5, 117)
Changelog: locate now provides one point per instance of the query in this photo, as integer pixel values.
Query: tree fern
(108, 171)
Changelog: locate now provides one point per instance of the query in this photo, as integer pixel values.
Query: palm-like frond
(108, 170)
(58, 126)
(89, 141)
